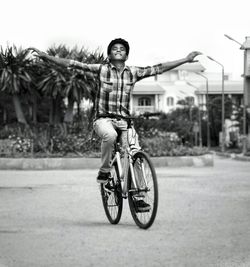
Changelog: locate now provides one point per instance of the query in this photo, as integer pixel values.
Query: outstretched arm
(60, 61)
(173, 64)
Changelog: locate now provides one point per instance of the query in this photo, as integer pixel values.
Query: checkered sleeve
(90, 71)
(83, 66)
(144, 72)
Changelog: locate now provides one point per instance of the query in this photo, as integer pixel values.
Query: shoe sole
(145, 210)
(140, 209)
(102, 182)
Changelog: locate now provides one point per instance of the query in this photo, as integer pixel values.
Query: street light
(246, 47)
(199, 115)
(232, 39)
(222, 106)
(207, 106)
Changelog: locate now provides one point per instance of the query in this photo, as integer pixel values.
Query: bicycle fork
(124, 171)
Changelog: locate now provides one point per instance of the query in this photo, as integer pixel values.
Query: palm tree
(15, 79)
(58, 82)
(52, 83)
(81, 85)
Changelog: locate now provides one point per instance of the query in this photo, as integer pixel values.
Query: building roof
(148, 88)
(182, 89)
(230, 87)
(195, 67)
(179, 89)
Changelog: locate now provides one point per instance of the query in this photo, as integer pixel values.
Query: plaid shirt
(115, 88)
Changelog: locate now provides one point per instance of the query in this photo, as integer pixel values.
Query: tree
(188, 114)
(215, 110)
(59, 82)
(15, 79)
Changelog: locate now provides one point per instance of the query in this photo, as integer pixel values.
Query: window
(170, 101)
(183, 74)
(144, 101)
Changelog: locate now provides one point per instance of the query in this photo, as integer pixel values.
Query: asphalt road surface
(56, 218)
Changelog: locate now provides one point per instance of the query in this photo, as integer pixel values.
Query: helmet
(118, 41)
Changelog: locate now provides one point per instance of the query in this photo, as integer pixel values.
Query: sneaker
(141, 206)
(102, 177)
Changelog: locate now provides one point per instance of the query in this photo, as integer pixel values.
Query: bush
(75, 144)
(45, 140)
(20, 144)
(42, 139)
(165, 146)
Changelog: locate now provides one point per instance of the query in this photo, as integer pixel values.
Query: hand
(190, 57)
(39, 53)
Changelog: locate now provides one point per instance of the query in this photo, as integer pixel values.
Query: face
(118, 52)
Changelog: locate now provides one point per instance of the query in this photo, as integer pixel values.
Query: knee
(110, 137)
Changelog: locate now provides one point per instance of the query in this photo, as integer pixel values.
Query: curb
(239, 157)
(94, 163)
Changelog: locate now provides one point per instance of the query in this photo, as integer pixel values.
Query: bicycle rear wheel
(148, 190)
(112, 197)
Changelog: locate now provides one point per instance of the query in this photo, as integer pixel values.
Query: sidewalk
(94, 163)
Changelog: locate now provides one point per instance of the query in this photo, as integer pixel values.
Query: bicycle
(133, 176)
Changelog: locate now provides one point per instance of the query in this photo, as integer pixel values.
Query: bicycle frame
(127, 166)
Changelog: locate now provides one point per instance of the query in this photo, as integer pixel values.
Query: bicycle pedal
(108, 188)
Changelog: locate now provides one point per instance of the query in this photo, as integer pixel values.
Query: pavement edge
(94, 163)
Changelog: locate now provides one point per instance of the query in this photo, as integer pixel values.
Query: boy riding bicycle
(116, 82)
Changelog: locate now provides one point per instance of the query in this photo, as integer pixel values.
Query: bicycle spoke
(112, 198)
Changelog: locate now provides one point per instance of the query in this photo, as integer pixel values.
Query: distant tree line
(33, 90)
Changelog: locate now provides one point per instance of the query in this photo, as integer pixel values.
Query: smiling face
(118, 53)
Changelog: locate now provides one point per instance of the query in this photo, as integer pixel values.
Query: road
(56, 218)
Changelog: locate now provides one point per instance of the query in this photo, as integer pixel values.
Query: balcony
(143, 109)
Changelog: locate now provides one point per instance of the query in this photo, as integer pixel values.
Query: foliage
(177, 121)
(15, 78)
(215, 116)
(168, 144)
(44, 140)
(14, 70)
(31, 82)
(78, 140)
(20, 144)
(70, 82)
(158, 147)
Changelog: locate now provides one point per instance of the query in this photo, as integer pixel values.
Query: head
(118, 50)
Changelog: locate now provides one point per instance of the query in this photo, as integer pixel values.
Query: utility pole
(222, 104)
(246, 75)
(246, 87)
(207, 109)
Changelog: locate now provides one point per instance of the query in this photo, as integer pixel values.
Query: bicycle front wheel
(146, 190)
(112, 197)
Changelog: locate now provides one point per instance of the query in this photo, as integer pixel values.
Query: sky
(157, 30)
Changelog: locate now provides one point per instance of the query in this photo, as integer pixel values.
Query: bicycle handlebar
(117, 116)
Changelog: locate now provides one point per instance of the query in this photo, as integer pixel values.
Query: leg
(105, 130)
(122, 126)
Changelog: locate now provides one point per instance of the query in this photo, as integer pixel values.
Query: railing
(143, 109)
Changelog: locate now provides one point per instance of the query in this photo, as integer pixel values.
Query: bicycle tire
(143, 219)
(112, 200)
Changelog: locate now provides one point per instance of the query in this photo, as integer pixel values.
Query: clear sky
(157, 30)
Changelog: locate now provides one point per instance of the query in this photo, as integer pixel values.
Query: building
(232, 89)
(162, 92)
